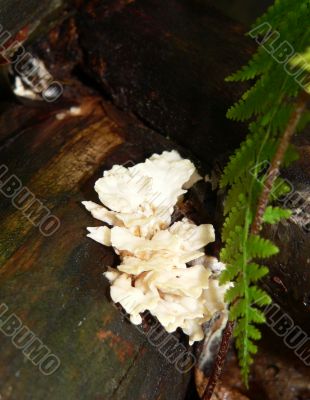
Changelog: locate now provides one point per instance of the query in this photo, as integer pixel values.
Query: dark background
(245, 11)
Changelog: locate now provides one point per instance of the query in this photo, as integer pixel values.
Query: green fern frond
(249, 104)
(236, 218)
(259, 63)
(257, 271)
(281, 188)
(241, 161)
(233, 245)
(234, 196)
(238, 309)
(232, 271)
(303, 61)
(260, 247)
(256, 316)
(272, 215)
(258, 296)
(267, 105)
(254, 333)
(234, 291)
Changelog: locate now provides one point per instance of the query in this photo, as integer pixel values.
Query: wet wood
(289, 278)
(26, 15)
(55, 284)
(168, 65)
(275, 375)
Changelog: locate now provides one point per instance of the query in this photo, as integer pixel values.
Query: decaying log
(168, 65)
(55, 284)
(289, 281)
(26, 16)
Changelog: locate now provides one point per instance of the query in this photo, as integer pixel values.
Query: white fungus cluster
(163, 266)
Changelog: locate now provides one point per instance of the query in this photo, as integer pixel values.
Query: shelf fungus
(163, 267)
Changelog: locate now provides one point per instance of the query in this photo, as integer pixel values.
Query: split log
(167, 65)
(54, 284)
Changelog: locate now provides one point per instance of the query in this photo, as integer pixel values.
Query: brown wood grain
(55, 284)
(167, 64)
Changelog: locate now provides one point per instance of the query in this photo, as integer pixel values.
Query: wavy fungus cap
(163, 267)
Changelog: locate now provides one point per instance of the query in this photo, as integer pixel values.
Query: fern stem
(276, 161)
(244, 277)
(220, 359)
(256, 227)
